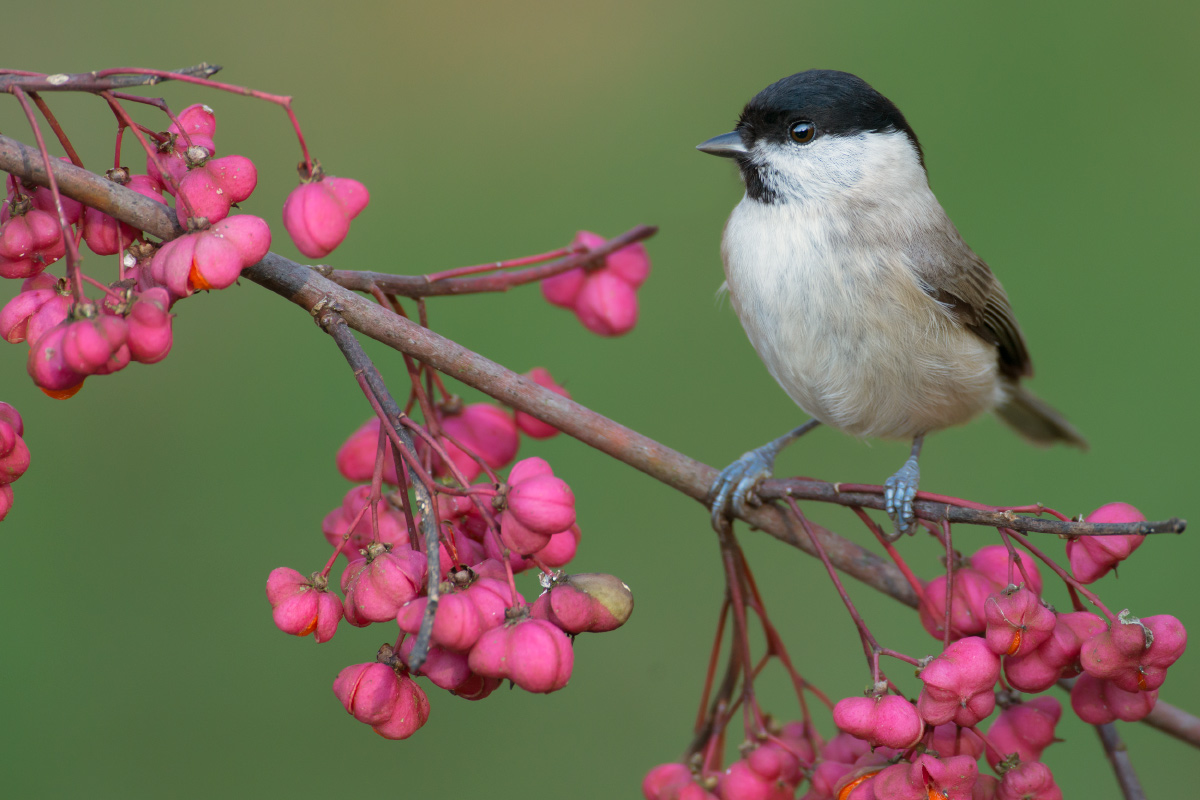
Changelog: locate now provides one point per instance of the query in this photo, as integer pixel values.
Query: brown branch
(421, 286)
(332, 323)
(305, 287)
(808, 489)
(90, 82)
(1174, 721)
(1118, 756)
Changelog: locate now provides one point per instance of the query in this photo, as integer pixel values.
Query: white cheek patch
(831, 165)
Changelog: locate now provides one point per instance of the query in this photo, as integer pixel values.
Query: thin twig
(333, 324)
(91, 82)
(1118, 756)
(420, 285)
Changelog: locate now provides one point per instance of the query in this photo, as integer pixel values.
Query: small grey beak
(727, 145)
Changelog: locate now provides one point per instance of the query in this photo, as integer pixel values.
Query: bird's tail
(1037, 421)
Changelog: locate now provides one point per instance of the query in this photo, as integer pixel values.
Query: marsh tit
(855, 287)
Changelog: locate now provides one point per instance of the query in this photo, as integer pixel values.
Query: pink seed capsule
(958, 684)
(532, 653)
(531, 426)
(29, 243)
(149, 322)
(317, 215)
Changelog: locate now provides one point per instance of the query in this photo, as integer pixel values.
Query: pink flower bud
(149, 322)
(317, 215)
(302, 606)
(28, 243)
(210, 190)
(890, 720)
(532, 426)
(1098, 702)
(91, 344)
(927, 777)
(48, 368)
(950, 740)
(1057, 657)
(971, 591)
(561, 548)
(1017, 622)
(993, 561)
(1092, 557)
(379, 584)
(6, 501)
(486, 431)
(587, 602)
(958, 684)
(532, 653)
(1029, 780)
(1135, 654)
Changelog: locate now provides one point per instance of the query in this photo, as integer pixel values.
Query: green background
(139, 656)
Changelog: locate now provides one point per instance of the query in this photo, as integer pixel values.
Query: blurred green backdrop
(140, 659)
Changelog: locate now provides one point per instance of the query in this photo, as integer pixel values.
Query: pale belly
(854, 342)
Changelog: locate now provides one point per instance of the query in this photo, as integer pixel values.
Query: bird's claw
(898, 494)
(734, 487)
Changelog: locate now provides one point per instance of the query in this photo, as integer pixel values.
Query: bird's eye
(802, 132)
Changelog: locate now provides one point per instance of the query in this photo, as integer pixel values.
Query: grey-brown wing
(960, 280)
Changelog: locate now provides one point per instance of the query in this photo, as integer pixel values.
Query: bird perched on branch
(855, 287)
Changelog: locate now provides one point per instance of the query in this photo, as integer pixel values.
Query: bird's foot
(899, 491)
(734, 487)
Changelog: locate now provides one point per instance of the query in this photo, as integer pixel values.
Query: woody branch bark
(307, 288)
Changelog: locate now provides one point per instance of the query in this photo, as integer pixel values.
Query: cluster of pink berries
(14, 455)
(71, 337)
(891, 748)
(484, 631)
(849, 767)
(604, 298)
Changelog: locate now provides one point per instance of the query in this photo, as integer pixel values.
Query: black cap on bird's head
(818, 102)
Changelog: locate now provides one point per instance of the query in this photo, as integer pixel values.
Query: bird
(856, 289)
